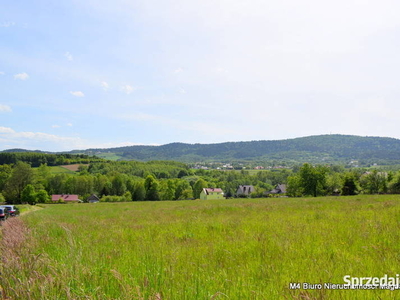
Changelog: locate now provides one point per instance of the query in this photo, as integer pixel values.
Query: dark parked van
(4, 214)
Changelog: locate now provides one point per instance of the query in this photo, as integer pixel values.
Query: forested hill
(321, 148)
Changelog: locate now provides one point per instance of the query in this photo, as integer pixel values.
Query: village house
(66, 197)
(279, 189)
(211, 193)
(93, 199)
(244, 190)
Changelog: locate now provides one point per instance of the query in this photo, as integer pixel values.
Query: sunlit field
(225, 249)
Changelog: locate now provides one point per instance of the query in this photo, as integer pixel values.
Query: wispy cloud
(7, 24)
(195, 127)
(21, 76)
(127, 89)
(179, 70)
(105, 85)
(77, 94)
(69, 124)
(5, 108)
(182, 91)
(11, 138)
(6, 130)
(28, 138)
(55, 126)
(2, 73)
(68, 56)
(220, 70)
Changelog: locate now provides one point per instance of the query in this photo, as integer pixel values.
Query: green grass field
(59, 169)
(225, 249)
(109, 156)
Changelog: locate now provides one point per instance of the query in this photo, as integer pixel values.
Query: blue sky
(80, 74)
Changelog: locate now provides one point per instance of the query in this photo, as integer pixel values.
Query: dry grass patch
(73, 167)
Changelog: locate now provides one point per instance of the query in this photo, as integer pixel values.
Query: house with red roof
(66, 197)
(211, 193)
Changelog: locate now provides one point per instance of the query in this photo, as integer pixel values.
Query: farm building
(93, 199)
(244, 190)
(279, 189)
(66, 197)
(211, 193)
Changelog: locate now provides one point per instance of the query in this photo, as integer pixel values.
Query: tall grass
(227, 249)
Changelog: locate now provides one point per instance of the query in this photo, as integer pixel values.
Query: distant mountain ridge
(316, 149)
(319, 148)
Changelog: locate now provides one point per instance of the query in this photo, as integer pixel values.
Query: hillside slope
(321, 148)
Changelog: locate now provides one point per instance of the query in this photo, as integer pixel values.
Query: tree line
(126, 181)
(20, 182)
(321, 180)
(35, 159)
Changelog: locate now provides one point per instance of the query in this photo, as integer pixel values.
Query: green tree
(182, 173)
(140, 192)
(21, 176)
(152, 188)
(127, 196)
(199, 185)
(42, 197)
(168, 190)
(28, 194)
(42, 175)
(130, 186)
(374, 182)
(394, 184)
(83, 169)
(312, 179)
(56, 184)
(349, 187)
(182, 189)
(5, 173)
(186, 194)
(83, 185)
(334, 183)
(118, 185)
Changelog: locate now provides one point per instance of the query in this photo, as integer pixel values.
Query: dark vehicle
(12, 210)
(4, 214)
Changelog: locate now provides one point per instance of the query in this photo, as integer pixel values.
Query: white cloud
(2, 73)
(195, 127)
(9, 138)
(68, 56)
(69, 124)
(77, 94)
(6, 130)
(33, 139)
(220, 70)
(5, 108)
(55, 126)
(21, 76)
(105, 85)
(120, 144)
(179, 70)
(7, 24)
(182, 91)
(127, 89)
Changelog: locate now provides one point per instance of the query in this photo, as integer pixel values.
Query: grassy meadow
(60, 169)
(215, 249)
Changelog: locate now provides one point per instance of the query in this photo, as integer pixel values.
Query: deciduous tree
(28, 194)
(21, 176)
(198, 187)
(151, 187)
